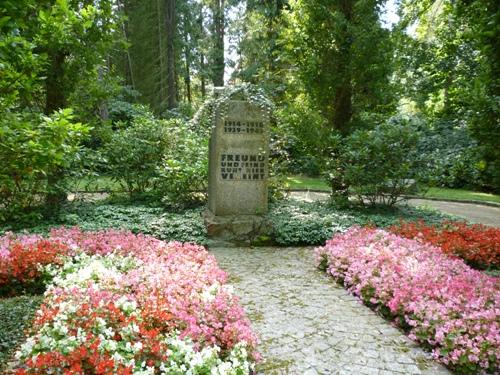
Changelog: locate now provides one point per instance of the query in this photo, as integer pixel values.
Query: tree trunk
(170, 30)
(162, 94)
(103, 107)
(202, 57)
(187, 78)
(218, 45)
(54, 86)
(342, 107)
(342, 103)
(202, 76)
(55, 99)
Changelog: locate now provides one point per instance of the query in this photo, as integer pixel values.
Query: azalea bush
(444, 304)
(123, 303)
(477, 244)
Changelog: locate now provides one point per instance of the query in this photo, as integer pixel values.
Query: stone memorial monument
(238, 170)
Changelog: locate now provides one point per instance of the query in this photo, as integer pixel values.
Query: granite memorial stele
(238, 171)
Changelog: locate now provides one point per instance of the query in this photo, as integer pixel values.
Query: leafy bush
(183, 172)
(477, 244)
(35, 150)
(134, 153)
(377, 165)
(164, 157)
(304, 135)
(444, 304)
(303, 223)
(452, 157)
(16, 315)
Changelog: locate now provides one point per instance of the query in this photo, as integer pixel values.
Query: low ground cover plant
(123, 303)
(443, 304)
(137, 217)
(291, 222)
(16, 315)
(477, 244)
(312, 223)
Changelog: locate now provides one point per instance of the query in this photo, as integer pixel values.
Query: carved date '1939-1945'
(243, 127)
(243, 166)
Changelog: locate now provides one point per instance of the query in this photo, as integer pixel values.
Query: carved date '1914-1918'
(243, 166)
(243, 127)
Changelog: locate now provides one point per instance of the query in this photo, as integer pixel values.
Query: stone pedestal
(238, 171)
(235, 228)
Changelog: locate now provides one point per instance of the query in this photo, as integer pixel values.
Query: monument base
(235, 228)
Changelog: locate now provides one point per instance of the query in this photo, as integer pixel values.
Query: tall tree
(342, 56)
(451, 67)
(217, 51)
(261, 59)
(171, 27)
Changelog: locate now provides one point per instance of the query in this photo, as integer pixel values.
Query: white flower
(137, 346)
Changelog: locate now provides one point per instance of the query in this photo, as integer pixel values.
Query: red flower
(477, 244)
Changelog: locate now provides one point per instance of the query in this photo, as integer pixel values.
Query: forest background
(82, 81)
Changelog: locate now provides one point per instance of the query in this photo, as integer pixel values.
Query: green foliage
(164, 157)
(135, 152)
(304, 134)
(20, 63)
(32, 148)
(261, 57)
(342, 57)
(183, 172)
(452, 158)
(204, 119)
(186, 226)
(376, 165)
(302, 223)
(450, 70)
(123, 111)
(291, 222)
(15, 316)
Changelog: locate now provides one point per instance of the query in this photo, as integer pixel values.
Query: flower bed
(443, 303)
(21, 261)
(124, 303)
(477, 244)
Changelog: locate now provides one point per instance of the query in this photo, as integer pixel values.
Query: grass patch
(307, 183)
(16, 315)
(95, 184)
(460, 194)
(317, 183)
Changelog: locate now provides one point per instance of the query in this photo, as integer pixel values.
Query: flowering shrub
(444, 304)
(124, 303)
(477, 244)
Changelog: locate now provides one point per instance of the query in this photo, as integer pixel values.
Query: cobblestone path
(310, 325)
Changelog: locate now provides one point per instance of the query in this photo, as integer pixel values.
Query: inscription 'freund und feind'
(242, 167)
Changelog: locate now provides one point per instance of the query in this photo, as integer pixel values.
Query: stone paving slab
(310, 325)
